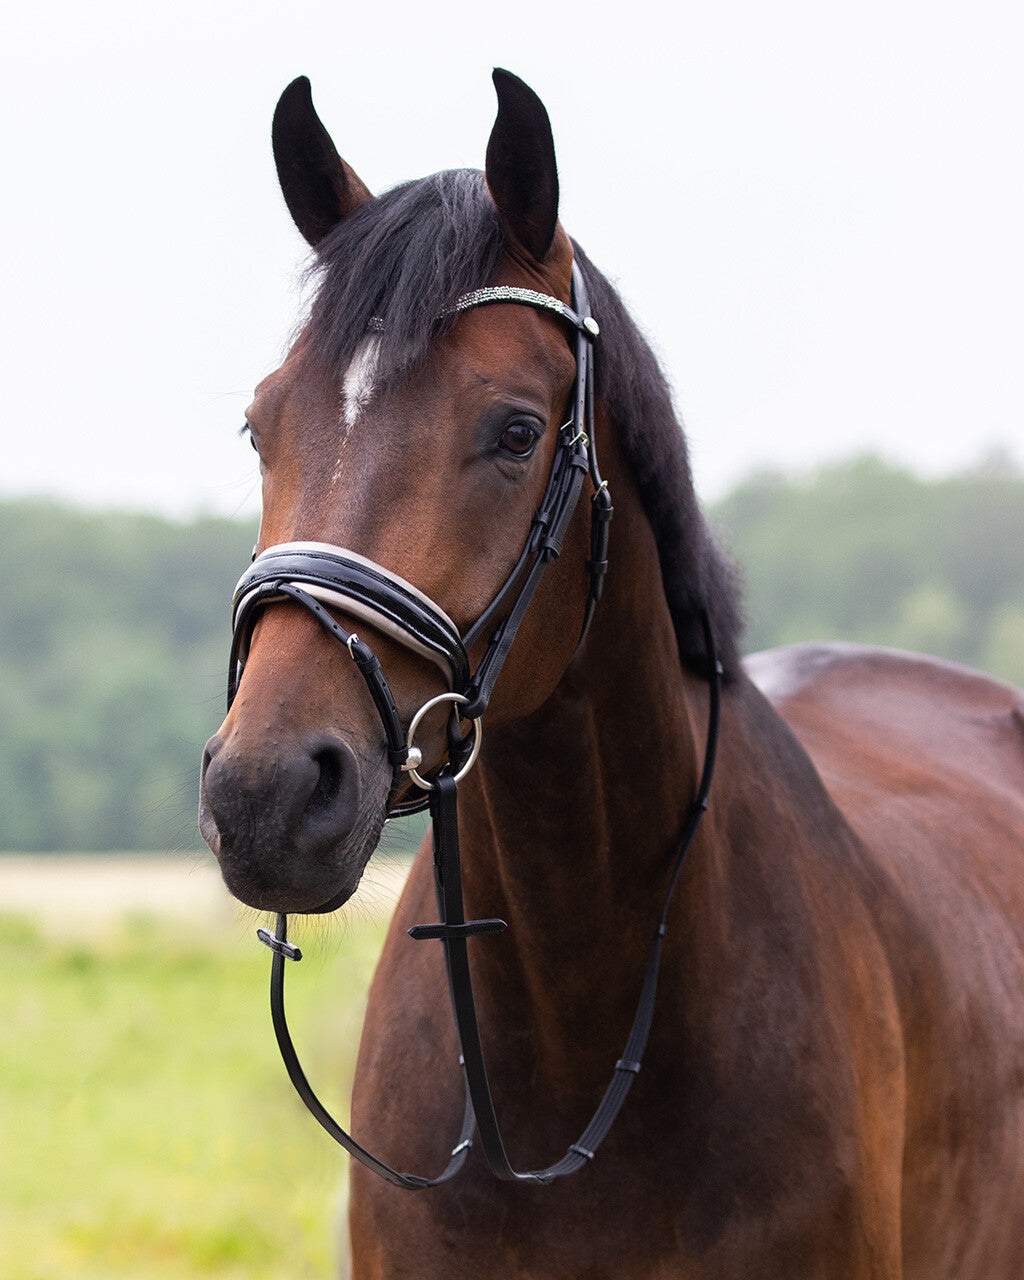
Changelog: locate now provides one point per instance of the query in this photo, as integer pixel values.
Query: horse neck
(571, 826)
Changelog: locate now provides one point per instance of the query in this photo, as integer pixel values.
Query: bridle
(318, 575)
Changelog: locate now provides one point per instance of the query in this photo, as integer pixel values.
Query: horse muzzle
(289, 827)
(293, 812)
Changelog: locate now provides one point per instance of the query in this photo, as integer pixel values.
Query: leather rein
(316, 575)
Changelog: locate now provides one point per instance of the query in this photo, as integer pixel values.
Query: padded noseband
(350, 582)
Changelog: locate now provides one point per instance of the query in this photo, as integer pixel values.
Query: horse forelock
(394, 267)
(397, 264)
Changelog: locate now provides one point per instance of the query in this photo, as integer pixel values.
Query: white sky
(816, 210)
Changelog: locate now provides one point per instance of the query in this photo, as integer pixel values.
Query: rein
(317, 574)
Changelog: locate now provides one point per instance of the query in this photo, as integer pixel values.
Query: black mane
(405, 257)
(696, 575)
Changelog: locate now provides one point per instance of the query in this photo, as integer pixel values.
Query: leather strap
(446, 855)
(319, 572)
(577, 315)
(454, 931)
(283, 950)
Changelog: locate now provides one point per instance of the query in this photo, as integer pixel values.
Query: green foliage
(114, 630)
(867, 552)
(113, 642)
(149, 1128)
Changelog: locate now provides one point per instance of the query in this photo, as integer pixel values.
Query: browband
(531, 297)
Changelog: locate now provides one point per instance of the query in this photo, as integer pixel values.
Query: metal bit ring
(415, 755)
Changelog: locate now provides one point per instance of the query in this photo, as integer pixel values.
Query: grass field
(147, 1127)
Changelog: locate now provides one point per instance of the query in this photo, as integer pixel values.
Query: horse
(833, 1083)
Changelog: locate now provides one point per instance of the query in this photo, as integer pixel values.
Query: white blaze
(357, 391)
(359, 380)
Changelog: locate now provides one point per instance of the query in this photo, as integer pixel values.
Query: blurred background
(816, 215)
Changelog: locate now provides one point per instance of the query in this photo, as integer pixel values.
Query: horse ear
(318, 186)
(521, 172)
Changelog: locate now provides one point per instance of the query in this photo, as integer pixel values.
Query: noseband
(319, 576)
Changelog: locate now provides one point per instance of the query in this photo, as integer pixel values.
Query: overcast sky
(815, 210)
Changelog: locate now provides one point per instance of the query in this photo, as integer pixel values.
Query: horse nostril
(209, 751)
(328, 783)
(332, 798)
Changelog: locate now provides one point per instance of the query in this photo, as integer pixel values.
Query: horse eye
(518, 439)
(246, 430)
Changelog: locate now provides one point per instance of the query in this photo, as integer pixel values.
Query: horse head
(419, 434)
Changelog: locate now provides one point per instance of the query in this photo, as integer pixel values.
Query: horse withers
(833, 1083)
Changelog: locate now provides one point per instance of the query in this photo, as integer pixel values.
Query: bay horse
(833, 1083)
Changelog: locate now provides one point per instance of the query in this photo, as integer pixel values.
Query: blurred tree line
(113, 650)
(114, 628)
(864, 551)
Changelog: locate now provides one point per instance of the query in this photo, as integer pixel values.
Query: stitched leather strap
(448, 875)
(454, 931)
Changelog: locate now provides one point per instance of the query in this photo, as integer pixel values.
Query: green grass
(147, 1126)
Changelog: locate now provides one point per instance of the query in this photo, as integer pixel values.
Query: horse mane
(695, 573)
(397, 264)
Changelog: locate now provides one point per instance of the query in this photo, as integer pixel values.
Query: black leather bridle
(318, 576)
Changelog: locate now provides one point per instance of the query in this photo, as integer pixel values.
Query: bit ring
(416, 757)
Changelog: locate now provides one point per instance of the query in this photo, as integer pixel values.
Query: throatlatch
(317, 575)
